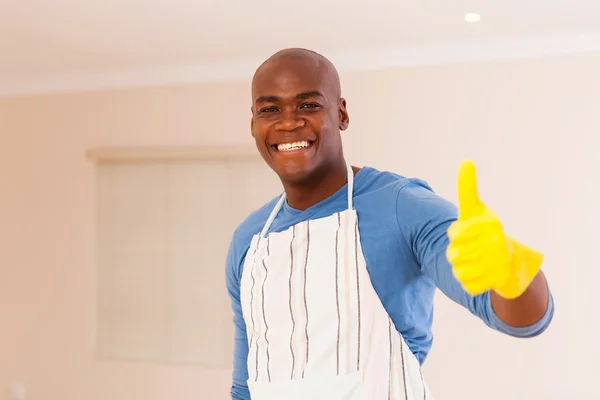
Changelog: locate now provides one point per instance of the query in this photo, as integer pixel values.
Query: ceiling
(84, 44)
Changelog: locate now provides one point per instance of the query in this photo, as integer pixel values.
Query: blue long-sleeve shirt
(403, 226)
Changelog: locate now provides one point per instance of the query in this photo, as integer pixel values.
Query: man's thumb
(469, 204)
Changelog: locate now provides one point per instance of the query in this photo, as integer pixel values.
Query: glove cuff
(524, 264)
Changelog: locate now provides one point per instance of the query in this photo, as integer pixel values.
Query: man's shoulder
(391, 182)
(380, 176)
(410, 198)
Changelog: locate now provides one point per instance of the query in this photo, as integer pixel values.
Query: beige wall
(531, 126)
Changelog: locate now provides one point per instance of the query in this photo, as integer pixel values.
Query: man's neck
(303, 196)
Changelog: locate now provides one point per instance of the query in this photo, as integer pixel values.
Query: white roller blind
(163, 232)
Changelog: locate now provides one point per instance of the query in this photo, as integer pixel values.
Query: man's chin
(295, 173)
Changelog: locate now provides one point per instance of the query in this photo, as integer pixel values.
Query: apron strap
(274, 213)
(282, 199)
(350, 185)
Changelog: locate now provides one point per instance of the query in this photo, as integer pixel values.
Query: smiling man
(332, 283)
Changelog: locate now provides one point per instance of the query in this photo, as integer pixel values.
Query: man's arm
(239, 388)
(526, 309)
(484, 258)
(425, 230)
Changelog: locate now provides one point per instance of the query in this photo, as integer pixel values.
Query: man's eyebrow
(307, 95)
(299, 96)
(267, 99)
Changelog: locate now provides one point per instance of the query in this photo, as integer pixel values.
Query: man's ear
(343, 114)
(252, 122)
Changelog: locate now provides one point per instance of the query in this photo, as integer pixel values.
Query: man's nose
(289, 121)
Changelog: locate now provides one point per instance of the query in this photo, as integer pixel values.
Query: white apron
(316, 328)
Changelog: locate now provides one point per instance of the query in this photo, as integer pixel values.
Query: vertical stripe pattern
(305, 302)
(403, 370)
(254, 328)
(313, 315)
(290, 301)
(263, 311)
(357, 290)
(424, 387)
(391, 357)
(337, 291)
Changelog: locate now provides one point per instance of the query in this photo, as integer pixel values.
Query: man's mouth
(283, 147)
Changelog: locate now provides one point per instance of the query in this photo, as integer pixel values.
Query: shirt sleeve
(239, 388)
(424, 218)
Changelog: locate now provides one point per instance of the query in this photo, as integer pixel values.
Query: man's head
(297, 115)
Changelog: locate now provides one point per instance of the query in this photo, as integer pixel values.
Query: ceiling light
(472, 17)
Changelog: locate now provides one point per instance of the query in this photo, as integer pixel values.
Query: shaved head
(307, 57)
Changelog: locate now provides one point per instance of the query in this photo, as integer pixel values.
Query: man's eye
(268, 109)
(309, 105)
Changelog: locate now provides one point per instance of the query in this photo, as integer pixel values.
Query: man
(332, 283)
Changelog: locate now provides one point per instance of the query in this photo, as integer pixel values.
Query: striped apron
(316, 327)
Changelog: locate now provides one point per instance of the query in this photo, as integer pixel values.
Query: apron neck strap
(282, 200)
(350, 185)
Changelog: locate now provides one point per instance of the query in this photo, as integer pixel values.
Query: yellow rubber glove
(482, 256)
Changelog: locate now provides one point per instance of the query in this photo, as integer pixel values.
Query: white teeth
(293, 146)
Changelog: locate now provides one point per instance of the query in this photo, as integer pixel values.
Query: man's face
(296, 117)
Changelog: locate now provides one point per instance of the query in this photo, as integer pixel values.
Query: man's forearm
(526, 309)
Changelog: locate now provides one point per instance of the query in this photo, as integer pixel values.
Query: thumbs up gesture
(483, 258)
